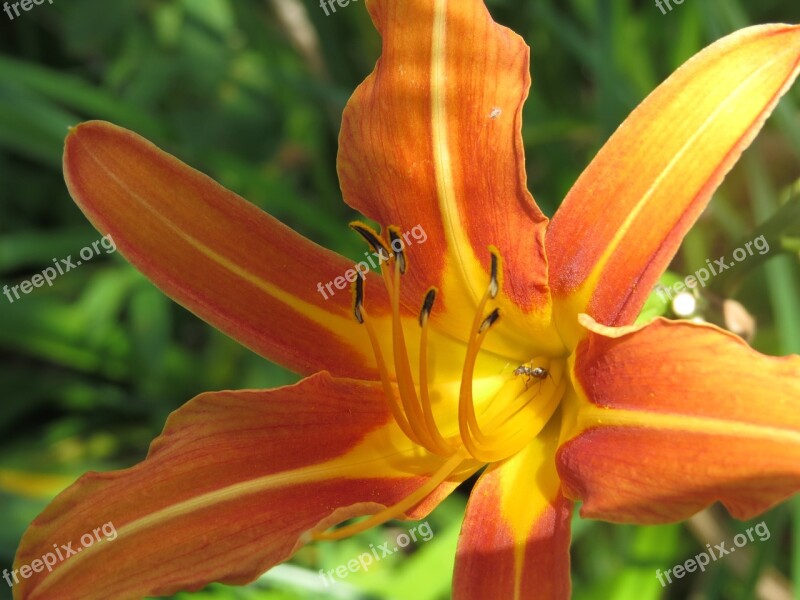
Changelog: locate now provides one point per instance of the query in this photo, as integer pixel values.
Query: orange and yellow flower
(505, 340)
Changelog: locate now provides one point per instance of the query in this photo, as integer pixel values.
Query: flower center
(509, 421)
(514, 415)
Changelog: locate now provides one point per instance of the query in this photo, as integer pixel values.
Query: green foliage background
(92, 367)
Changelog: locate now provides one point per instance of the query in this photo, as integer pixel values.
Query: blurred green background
(92, 366)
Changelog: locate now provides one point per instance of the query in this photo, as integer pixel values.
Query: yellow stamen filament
(504, 440)
(415, 416)
(502, 445)
(441, 446)
(511, 400)
(417, 496)
(394, 405)
(511, 419)
(467, 420)
(405, 379)
(466, 407)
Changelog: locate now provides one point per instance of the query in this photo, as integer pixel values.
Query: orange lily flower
(504, 339)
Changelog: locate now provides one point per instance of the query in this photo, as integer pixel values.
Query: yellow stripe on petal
(219, 256)
(515, 540)
(462, 254)
(234, 485)
(670, 417)
(625, 217)
(432, 139)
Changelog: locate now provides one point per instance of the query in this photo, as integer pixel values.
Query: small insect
(532, 372)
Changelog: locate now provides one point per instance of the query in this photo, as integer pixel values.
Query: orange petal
(216, 254)
(625, 217)
(230, 489)
(432, 138)
(516, 533)
(675, 416)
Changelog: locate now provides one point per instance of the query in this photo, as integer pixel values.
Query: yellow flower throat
(510, 421)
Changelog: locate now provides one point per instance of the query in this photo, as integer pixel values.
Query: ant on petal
(532, 372)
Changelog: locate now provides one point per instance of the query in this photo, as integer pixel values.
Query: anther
(399, 255)
(372, 238)
(358, 301)
(427, 306)
(494, 286)
(489, 321)
(439, 444)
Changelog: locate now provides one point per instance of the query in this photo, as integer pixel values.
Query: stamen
(441, 445)
(439, 477)
(394, 406)
(372, 238)
(467, 421)
(494, 285)
(427, 306)
(399, 255)
(510, 421)
(466, 409)
(358, 299)
(402, 368)
(410, 417)
(490, 320)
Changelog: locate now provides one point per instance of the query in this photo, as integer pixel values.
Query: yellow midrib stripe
(329, 321)
(457, 242)
(594, 277)
(268, 482)
(596, 416)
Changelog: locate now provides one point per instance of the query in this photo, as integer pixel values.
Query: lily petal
(625, 217)
(195, 240)
(675, 416)
(516, 533)
(232, 487)
(432, 138)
